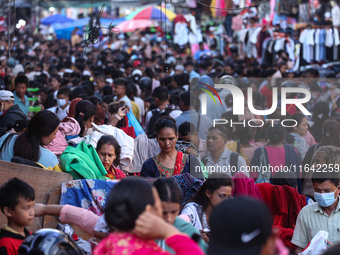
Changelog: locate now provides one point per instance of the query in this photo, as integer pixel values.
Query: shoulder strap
(198, 123)
(238, 148)
(234, 161)
(167, 111)
(205, 160)
(154, 111)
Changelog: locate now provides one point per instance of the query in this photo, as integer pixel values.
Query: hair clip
(81, 114)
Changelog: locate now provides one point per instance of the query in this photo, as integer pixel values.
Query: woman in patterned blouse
(169, 162)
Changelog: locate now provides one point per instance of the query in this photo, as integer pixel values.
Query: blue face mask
(325, 199)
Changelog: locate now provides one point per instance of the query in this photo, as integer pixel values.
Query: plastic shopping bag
(318, 245)
(135, 124)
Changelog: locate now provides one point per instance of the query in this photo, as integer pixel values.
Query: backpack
(156, 115)
(233, 160)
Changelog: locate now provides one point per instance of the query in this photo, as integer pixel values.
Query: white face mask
(61, 102)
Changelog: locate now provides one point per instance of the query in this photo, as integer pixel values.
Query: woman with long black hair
(214, 190)
(84, 114)
(41, 130)
(171, 196)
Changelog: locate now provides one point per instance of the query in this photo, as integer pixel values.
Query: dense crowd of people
(133, 106)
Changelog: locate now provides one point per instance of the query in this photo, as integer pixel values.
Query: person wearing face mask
(62, 109)
(322, 215)
(335, 97)
(10, 113)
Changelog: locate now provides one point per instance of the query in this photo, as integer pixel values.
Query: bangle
(117, 117)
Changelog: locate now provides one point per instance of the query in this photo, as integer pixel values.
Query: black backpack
(156, 115)
(233, 161)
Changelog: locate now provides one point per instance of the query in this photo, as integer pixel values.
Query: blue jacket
(292, 160)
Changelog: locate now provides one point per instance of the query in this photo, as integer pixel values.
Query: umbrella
(64, 31)
(57, 18)
(132, 25)
(152, 12)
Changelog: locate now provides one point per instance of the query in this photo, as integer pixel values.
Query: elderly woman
(108, 150)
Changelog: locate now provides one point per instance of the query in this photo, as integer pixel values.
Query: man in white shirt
(62, 109)
(322, 215)
(119, 86)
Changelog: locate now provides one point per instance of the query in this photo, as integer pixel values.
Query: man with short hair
(119, 87)
(100, 84)
(189, 68)
(164, 109)
(20, 98)
(10, 112)
(243, 226)
(188, 133)
(200, 52)
(322, 215)
(63, 104)
(219, 158)
(187, 104)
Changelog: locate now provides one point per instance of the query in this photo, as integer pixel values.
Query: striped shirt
(311, 220)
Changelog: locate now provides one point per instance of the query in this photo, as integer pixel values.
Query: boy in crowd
(17, 200)
(20, 98)
(120, 86)
(63, 104)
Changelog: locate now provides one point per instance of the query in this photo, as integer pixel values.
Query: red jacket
(10, 242)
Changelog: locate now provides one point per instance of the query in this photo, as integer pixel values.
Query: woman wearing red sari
(108, 150)
(169, 161)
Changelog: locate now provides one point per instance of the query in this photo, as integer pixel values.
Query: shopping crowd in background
(128, 112)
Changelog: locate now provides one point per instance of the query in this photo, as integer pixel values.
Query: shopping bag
(128, 129)
(135, 124)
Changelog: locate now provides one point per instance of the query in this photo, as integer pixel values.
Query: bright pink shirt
(129, 244)
(276, 156)
(80, 217)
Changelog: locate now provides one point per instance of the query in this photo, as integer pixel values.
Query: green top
(187, 228)
(83, 162)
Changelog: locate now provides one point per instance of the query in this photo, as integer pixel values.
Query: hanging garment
(266, 56)
(305, 46)
(290, 48)
(297, 55)
(236, 23)
(264, 34)
(253, 40)
(336, 16)
(311, 44)
(322, 45)
(318, 57)
(304, 13)
(336, 44)
(329, 42)
(181, 33)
